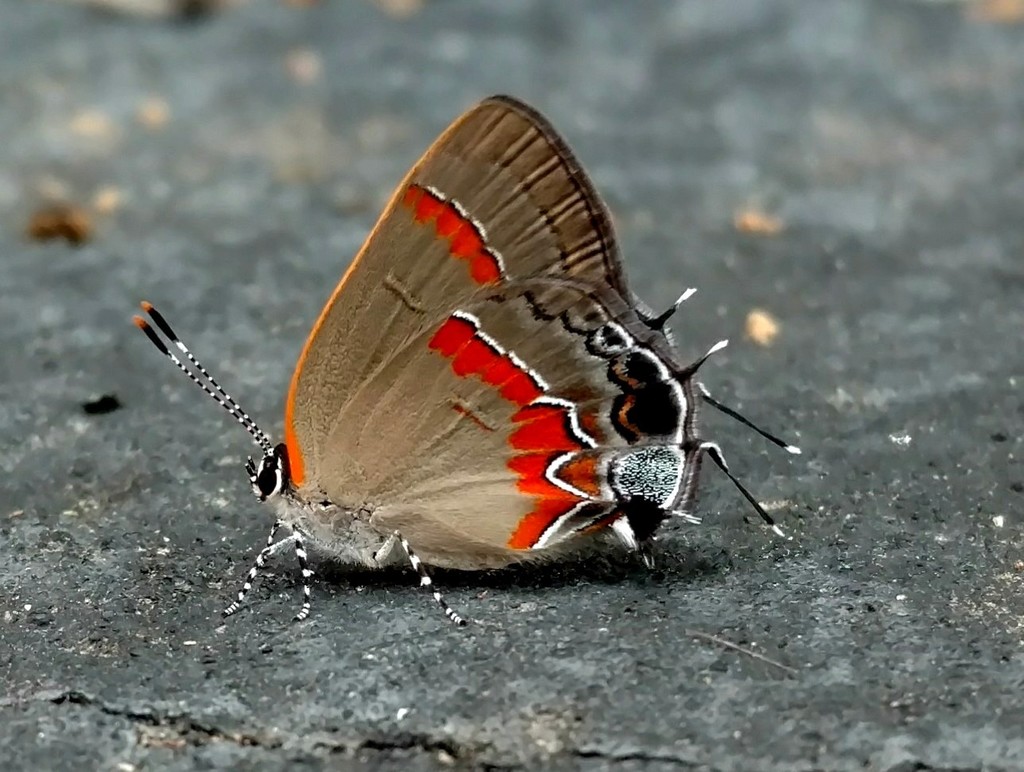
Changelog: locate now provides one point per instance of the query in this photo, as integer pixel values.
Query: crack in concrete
(643, 756)
(189, 731)
(186, 727)
(447, 750)
(400, 742)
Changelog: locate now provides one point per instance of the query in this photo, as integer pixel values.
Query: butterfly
(482, 388)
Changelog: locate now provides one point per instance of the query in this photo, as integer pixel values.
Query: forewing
(505, 165)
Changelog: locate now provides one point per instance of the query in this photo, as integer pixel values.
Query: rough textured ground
(886, 139)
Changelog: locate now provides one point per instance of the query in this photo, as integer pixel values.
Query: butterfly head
(269, 477)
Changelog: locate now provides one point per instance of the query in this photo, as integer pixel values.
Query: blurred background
(841, 179)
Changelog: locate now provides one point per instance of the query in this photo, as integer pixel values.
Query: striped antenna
(205, 382)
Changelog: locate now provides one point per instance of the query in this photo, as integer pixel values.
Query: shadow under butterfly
(482, 389)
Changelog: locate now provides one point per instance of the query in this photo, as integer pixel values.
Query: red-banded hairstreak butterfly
(482, 388)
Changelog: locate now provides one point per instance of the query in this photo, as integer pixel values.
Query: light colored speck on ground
(106, 200)
(761, 327)
(153, 113)
(758, 222)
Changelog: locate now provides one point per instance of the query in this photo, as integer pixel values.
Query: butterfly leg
(261, 560)
(427, 582)
(266, 553)
(307, 573)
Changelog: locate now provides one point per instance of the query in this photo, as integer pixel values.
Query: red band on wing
(500, 372)
(528, 465)
(473, 358)
(465, 240)
(544, 433)
(452, 336)
(543, 430)
(546, 510)
(459, 340)
(521, 389)
(477, 357)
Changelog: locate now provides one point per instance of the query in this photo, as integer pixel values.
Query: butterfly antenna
(746, 421)
(217, 393)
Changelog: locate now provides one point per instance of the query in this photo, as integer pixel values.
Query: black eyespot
(606, 341)
(612, 338)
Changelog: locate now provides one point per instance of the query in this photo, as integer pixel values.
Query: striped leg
(265, 554)
(300, 554)
(425, 581)
(261, 560)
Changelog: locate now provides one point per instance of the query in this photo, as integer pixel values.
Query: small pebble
(761, 327)
(760, 223)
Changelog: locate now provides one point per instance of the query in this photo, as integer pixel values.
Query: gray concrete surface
(887, 138)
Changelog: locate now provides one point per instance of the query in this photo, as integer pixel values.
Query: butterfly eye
(269, 479)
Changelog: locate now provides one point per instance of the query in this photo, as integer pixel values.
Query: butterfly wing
(504, 424)
(497, 196)
(505, 165)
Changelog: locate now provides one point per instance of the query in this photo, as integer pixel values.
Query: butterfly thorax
(341, 531)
